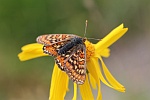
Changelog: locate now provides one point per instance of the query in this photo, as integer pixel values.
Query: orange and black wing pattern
(74, 63)
(52, 42)
(69, 52)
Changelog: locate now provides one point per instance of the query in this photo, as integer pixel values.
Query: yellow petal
(99, 96)
(94, 68)
(113, 36)
(92, 81)
(85, 91)
(116, 85)
(59, 84)
(75, 92)
(104, 53)
(91, 66)
(31, 51)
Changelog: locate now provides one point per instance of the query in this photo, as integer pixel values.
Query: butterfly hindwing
(73, 63)
(77, 69)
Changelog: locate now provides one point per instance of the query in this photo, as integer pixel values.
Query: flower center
(90, 50)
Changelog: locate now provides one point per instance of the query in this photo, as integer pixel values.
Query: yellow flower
(94, 53)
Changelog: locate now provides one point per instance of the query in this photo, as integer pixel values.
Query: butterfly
(69, 52)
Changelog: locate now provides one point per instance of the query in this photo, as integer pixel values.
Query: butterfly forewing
(53, 42)
(50, 39)
(54, 48)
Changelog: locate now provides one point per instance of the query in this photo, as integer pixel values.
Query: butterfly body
(74, 42)
(69, 52)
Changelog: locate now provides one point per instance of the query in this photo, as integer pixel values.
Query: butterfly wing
(52, 42)
(51, 39)
(74, 63)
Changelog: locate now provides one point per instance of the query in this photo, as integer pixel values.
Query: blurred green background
(21, 21)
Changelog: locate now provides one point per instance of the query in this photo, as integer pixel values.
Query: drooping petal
(31, 51)
(92, 81)
(94, 85)
(113, 36)
(91, 66)
(85, 91)
(59, 84)
(75, 92)
(96, 69)
(99, 96)
(115, 84)
(92, 70)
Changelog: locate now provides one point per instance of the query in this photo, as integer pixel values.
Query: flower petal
(31, 51)
(99, 96)
(104, 53)
(57, 91)
(113, 36)
(92, 70)
(75, 92)
(96, 69)
(85, 90)
(91, 66)
(92, 81)
(116, 85)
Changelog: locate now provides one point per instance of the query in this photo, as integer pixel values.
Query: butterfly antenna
(94, 39)
(86, 24)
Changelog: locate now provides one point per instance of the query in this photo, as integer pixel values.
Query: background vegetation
(21, 21)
